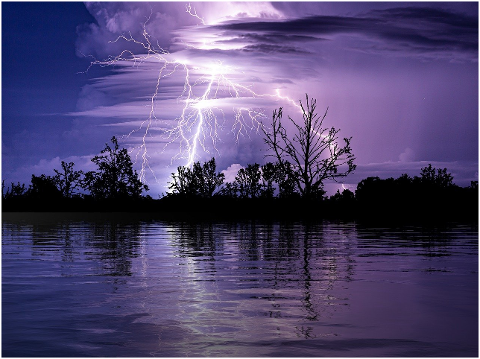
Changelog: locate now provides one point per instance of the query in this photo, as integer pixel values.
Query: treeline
(258, 191)
(271, 191)
(431, 196)
(114, 183)
(254, 181)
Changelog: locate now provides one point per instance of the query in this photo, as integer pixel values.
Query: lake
(87, 286)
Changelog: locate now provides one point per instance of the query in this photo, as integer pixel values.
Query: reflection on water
(132, 288)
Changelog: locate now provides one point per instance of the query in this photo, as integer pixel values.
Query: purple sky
(401, 79)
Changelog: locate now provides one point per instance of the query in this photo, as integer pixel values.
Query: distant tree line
(290, 186)
(257, 190)
(115, 180)
(253, 181)
(432, 194)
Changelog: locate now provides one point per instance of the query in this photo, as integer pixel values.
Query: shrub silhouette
(15, 191)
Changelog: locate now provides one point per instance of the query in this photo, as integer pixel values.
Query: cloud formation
(114, 19)
(158, 19)
(407, 156)
(411, 30)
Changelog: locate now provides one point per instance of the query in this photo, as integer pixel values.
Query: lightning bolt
(192, 12)
(288, 99)
(206, 87)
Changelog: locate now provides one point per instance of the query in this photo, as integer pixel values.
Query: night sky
(176, 83)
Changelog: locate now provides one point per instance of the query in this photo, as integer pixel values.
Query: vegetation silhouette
(199, 181)
(114, 186)
(67, 179)
(313, 152)
(432, 195)
(115, 178)
(292, 187)
(257, 192)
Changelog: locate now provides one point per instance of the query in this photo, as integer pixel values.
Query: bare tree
(313, 151)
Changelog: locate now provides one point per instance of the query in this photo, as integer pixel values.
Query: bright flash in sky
(209, 86)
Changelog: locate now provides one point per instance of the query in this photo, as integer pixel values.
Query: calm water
(152, 288)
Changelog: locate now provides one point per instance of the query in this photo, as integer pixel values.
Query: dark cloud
(311, 25)
(413, 29)
(427, 14)
(270, 48)
(276, 38)
(429, 28)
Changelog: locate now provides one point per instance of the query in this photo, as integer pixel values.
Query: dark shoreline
(195, 217)
(429, 208)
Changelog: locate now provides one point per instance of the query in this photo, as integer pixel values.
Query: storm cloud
(409, 29)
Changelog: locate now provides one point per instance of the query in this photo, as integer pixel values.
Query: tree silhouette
(229, 189)
(248, 181)
(285, 177)
(313, 151)
(431, 196)
(208, 178)
(116, 177)
(44, 187)
(182, 181)
(441, 178)
(346, 196)
(198, 181)
(67, 179)
(16, 190)
(268, 171)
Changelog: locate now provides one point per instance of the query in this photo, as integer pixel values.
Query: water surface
(151, 288)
